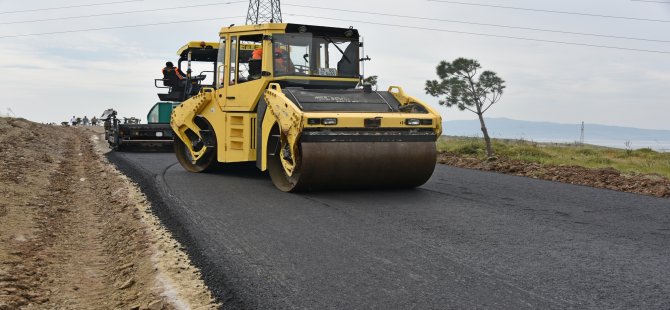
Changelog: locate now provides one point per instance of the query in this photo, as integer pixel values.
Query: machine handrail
(162, 80)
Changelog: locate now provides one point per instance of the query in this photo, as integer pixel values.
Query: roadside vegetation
(627, 161)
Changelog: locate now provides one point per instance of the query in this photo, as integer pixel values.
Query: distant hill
(613, 136)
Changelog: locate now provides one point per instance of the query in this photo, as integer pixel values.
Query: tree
(462, 88)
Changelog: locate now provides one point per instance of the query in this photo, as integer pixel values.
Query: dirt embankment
(647, 184)
(76, 234)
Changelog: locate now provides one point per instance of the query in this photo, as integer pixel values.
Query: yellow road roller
(289, 97)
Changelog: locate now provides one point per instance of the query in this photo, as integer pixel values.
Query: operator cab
(316, 52)
(291, 55)
(193, 57)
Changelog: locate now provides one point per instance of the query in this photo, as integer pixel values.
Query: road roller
(290, 98)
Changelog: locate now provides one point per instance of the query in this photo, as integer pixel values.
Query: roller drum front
(357, 165)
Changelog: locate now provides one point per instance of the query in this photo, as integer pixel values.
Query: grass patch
(469, 149)
(643, 160)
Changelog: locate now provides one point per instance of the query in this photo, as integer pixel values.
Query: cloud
(51, 77)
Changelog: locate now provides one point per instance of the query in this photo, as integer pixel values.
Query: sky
(51, 77)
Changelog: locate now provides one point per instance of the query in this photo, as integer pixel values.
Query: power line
(491, 35)
(122, 13)
(115, 27)
(69, 7)
(349, 11)
(356, 21)
(555, 12)
(341, 10)
(482, 24)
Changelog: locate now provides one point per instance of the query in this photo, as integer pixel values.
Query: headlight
(322, 121)
(412, 122)
(329, 121)
(417, 122)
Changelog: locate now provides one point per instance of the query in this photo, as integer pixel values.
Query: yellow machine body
(299, 122)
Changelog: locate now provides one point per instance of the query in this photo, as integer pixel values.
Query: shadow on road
(141, 149)
(247, 170)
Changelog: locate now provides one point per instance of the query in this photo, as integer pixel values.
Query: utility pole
(264, 11)
(581, 137)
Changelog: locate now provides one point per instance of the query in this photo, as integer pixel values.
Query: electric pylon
(263, 11)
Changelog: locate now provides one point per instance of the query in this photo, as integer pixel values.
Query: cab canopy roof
(200, 51)
(293, 28)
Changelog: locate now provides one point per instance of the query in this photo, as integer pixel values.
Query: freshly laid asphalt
(466, 239)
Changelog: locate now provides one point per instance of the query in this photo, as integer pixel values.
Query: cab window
(250, 58)
(233, 61)
(315, 55)
(221, 61)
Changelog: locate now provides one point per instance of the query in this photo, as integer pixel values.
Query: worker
(257, 54)
(255, 65)
(85, 121)
(173, 75)
(282, 63)
(73, 120)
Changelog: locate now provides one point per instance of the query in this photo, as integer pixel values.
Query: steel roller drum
(357, 165)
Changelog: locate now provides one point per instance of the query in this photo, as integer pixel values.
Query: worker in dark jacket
(174, 76)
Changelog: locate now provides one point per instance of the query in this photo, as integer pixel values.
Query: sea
(656, 145)
(603, 135)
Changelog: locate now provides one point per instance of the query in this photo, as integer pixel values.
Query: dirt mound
(76, 234)
(609, 178)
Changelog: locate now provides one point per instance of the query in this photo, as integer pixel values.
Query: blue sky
(49, 78)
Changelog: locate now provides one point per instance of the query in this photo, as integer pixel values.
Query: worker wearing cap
(173, 76)
(169, 72)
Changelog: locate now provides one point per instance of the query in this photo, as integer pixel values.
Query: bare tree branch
(470, 110)
(487, 108)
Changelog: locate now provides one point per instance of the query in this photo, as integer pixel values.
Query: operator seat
(348, 65)
(254, 69)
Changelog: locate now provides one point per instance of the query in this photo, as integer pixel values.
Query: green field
(625, 160)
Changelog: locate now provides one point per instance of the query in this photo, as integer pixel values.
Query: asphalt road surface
(467, 239)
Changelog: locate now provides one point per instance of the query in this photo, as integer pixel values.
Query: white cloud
(49, 78)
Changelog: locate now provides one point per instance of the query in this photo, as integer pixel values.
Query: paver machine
(156, 134)
(125, 133)
(289, 98)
